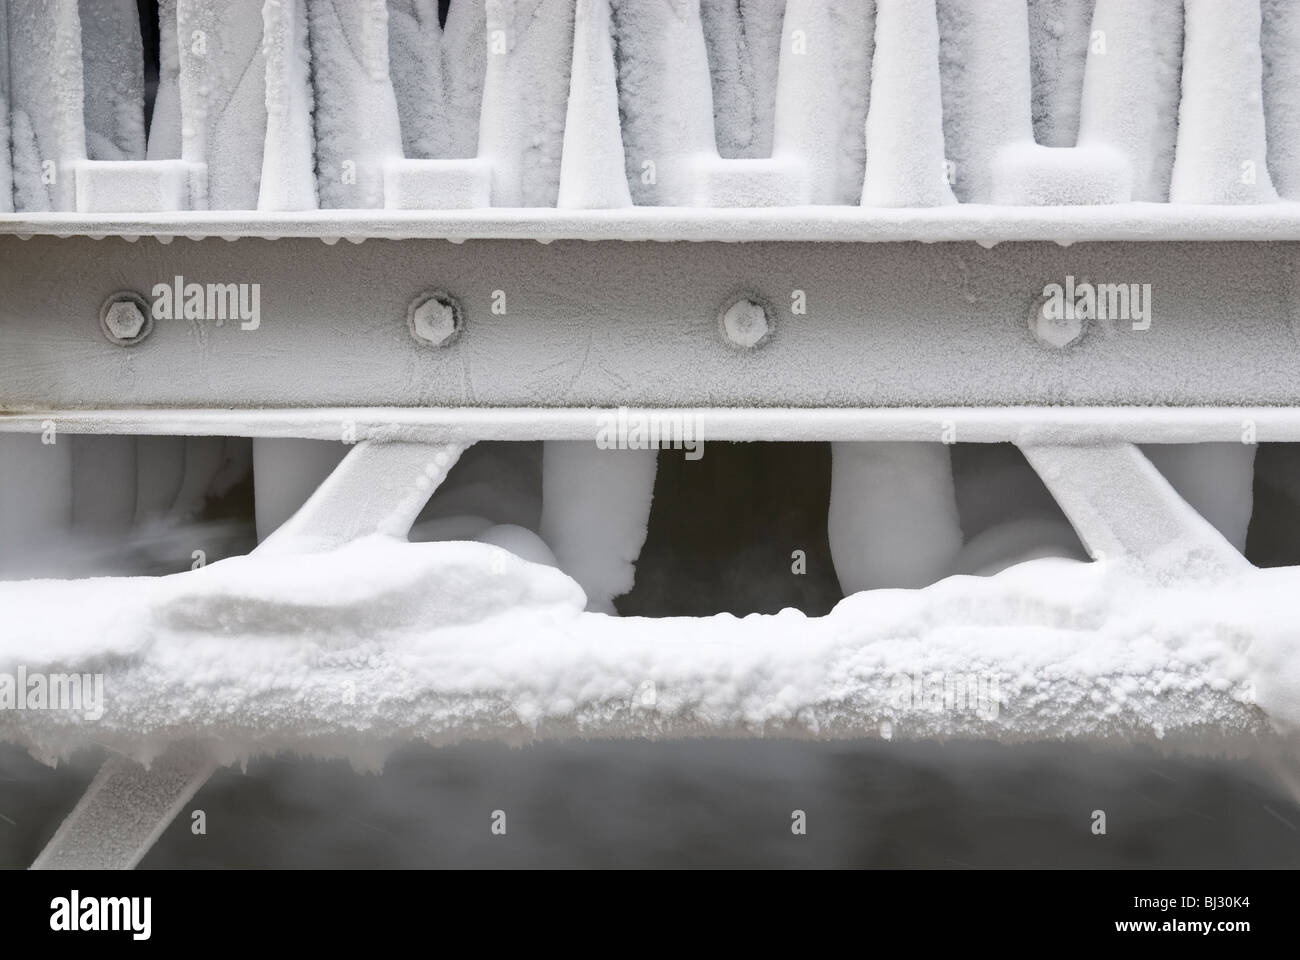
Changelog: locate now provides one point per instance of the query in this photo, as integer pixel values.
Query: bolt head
(125, 319)
(435, 319)
(746, 322)
(1051, 331)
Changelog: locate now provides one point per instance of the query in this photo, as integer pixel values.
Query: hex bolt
(1052, 332)
(435, 319)
(746, 322)
(125, 319)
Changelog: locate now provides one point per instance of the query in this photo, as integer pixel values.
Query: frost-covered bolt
(1055, 332)
(435, 319)
(746, 322)
(125, 319)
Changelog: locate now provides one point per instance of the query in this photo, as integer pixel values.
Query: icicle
(521, 133)
(288, 175)
(357, 127)
(1119, 107)
(6, 166)
(222, 73)
(593, 171)
(1216, 479)
(595, 508)
(286, 473)
(667, 97)
(48, 133)
(35, 499)
(1281, 39)
(103, 483)
(986, 89)
(1222, 148)
(165, 125)
(893, 514)
(112, 58)
(906, 164)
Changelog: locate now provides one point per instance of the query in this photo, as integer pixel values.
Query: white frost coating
(906, 164)
(595, 508)
(464, 64)
(35, 499)
(525, 92)
(986, 88)
(415, 65)
(48, 131)
(165, 124)
(6, 162)
(593, 169)
(1118, 108)
(809, 106)
(1216, 479)
(288, 176)
(666, 95)
(1059, 37)
(1222, 152)
(743, 39)
(1026, 173)
(112, 59)
(222, 75)
(103, 483)
(285, 474)
(893, 514)
(1166, 94)
(1281, 53)
(357, 126)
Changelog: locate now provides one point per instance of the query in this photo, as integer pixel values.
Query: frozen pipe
(112, 59)
(1216, 479)
(1222, 154)
(1058, 31)
(667, 98)
(906, 164)
(35, 499)
(464, 64)
(521, 131)
(855, 41)
(415, 64)
(595, 511)
(165, 124)
(593, 170)
(357, 126)
(286, 472)
(6, 164)
(1167, 49)
(1281, 40)
(808, 101)
(103, 483)
(893, 514)
(288, 158)
(48, 133)
(1119, 105)
(986, 89)
(222, 79)
(743, 40)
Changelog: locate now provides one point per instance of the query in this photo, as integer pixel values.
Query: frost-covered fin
(667, 98)
(464, 63)
(46, 95)
(525, 91)
(1119, 102)
(6, 165)
(1121, 506)
(906, 163)
(378, 488)
(165, 125)
(593, 170)
(743, 39)
(125, 810)
(1058, 44)
(893, 514)
(1281, 52)
(112, 58)
(1222, 154)
(595, 511)
(357, 126)
(415, 58)
(223, 100)
(986, 89)
(808, 103)
(35, 498)
(288, 161)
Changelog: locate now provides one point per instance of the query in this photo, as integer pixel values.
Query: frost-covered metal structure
(799, 220)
